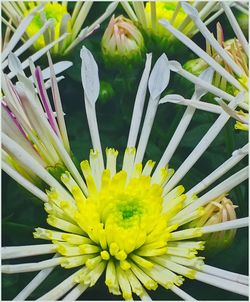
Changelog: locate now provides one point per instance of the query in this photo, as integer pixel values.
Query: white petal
(173, 98)
(159, 77)
(174, 65)
(58, 67)
(90, 78)
(206, 75)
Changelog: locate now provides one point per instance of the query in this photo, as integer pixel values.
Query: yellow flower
(122, 227)
(164, 10)
(52, 10)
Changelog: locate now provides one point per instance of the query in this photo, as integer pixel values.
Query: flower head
(147, 16)
(122, 41)
(123, 226)
(128, 224)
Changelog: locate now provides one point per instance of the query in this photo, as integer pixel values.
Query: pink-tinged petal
(109, 31)
(220, 34)
(13, 118)
(58, 105)
(15, 122)
(45, 101)
(12, 98)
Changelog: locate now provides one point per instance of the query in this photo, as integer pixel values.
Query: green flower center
(129, 209)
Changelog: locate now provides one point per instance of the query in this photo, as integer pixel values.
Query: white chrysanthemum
(127, 224)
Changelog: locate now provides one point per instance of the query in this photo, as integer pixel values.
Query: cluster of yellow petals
(123, 226)
(52, 10)
(165, 9)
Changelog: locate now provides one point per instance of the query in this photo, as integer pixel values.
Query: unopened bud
(217, 211)
(122, 41)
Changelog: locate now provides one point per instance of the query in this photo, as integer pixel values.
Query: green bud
(216, 211)
(122, 42)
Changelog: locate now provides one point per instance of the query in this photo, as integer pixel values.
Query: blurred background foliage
(21, 212)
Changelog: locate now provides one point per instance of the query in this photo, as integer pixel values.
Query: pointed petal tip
(159, 77)
(14, 63)
(207, 74)
(112, 7)
(84, 51)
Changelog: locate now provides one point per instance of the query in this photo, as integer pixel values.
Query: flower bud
(122, 41)
(216, 211)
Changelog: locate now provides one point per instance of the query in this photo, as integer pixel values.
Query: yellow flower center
(126, 212)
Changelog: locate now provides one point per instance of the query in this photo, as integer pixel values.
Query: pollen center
(126, 209)
(129, 210)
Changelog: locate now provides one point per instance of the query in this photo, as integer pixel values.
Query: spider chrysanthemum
(128, 221)
(124, 227)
